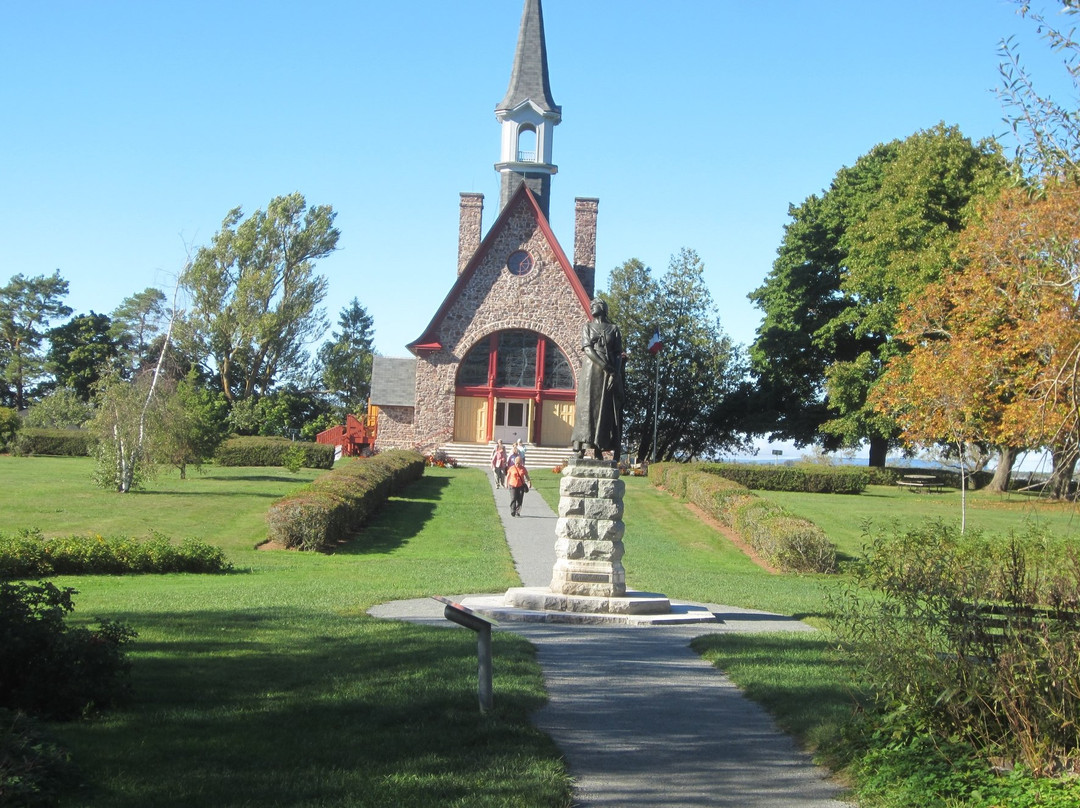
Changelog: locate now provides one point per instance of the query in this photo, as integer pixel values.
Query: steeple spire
(529, 78)
(528, 114)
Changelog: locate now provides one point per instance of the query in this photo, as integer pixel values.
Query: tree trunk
(878, 449)
(1003, 473)
(1064, 459)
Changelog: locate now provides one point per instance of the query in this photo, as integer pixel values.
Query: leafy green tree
(9, 426)
(136, 324)
(801, 298)
(255, 297)
(632, 297)
(699, 367)
(27, 306)
(286, 413)
(194, 425)
(79, 350)
(883, 230)
(62, 408)
(344, 362)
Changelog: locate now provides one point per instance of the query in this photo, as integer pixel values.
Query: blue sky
(132, 127)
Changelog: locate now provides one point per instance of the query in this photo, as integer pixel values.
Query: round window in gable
(519, 263)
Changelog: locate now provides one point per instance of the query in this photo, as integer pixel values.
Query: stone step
(479, 454)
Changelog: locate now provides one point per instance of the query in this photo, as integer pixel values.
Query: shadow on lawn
(289, 706)
(173, 492)
(253, 478)
(400, 519)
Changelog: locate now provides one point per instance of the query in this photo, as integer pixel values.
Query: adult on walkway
(499, 464)
(517, 480)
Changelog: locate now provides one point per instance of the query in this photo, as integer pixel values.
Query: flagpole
(655, 411)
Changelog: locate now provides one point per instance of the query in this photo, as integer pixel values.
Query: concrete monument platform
(540, 605)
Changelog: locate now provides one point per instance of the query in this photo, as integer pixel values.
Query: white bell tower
(528, 115)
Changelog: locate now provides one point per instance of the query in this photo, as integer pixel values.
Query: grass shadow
(252, 478)
(296, 707)
(399, 520)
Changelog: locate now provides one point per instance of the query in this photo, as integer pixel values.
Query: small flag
(655, 343)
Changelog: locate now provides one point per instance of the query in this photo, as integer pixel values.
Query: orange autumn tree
(995, 346)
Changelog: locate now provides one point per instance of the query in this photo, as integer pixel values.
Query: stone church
(499, 359)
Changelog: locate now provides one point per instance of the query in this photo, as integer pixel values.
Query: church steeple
(528, 115)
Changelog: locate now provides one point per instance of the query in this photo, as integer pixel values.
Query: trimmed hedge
(787, 542)
(27, 554)
(335, 506)
(53, 442)
(812, 479)
(259, 451)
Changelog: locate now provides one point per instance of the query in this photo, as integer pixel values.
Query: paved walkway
(640, 718)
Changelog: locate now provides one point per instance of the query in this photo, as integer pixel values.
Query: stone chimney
(472, 214)
(585, 242)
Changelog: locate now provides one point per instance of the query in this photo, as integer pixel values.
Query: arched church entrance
(514, 385)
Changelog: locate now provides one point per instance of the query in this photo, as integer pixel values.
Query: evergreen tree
(698, 368)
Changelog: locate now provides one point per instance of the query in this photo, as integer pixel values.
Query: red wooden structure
(354, 437)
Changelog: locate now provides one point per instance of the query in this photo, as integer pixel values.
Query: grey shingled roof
(529, 78)
(393, 381)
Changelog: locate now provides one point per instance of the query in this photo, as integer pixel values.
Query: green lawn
(843, 517)
(271, 686)
(668, 550)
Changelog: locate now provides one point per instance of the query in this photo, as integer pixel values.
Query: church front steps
(479, 455)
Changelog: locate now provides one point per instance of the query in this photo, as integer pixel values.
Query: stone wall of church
(541, 300)
(396, 428)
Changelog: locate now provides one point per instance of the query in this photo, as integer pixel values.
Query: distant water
(1031, 462)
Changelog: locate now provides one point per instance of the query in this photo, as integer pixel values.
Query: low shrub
(335, 506)
(441, 459)
(49, 669)
(259, 451)
(808, 478)
(791, 543)
(971, 639)
(784, 541)
(53, 442)
(27, 554)
(10, 423)
(32, 767)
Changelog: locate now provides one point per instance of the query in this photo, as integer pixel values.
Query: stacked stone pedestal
(589, 532)
(588, 582)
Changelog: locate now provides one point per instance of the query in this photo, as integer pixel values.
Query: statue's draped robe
(598, 410)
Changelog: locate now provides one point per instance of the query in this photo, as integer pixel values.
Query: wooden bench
(989, 622)
(917, 482)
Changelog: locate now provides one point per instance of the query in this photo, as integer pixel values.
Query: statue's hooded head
(599, 308)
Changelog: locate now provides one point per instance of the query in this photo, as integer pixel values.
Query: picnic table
(919, 482)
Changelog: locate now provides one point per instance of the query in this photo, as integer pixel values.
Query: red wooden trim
(428, 341)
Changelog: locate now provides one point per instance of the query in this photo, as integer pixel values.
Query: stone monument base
(588, 582)
(540, 605)
(547, 601)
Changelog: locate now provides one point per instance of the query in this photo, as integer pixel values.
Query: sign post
(464, 616)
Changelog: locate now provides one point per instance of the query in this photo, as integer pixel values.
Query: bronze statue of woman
(598, 411)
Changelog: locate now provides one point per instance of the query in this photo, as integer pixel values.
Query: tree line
(163, 381)
(927, 298)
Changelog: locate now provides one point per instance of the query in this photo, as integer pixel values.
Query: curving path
(641, 719)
